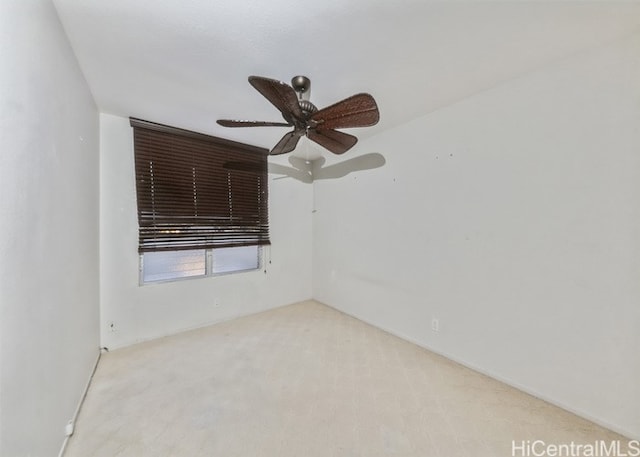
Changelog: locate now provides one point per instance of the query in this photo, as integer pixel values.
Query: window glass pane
(165, 265)
(226, 260)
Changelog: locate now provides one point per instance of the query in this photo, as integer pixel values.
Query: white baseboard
(80, 402)
(613, 427)
(199, 326)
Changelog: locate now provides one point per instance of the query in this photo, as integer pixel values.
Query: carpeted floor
(301, 381)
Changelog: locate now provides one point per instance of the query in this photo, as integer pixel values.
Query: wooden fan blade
(288, 143)
(281, 95)
(237, 123)
(359, 110)
(334, 141)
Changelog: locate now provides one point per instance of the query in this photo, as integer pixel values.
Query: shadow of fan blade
(250, 167)
(341, 169)
(294, 173)
(305, 164)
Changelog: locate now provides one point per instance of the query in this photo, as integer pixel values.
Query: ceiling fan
(359, 110)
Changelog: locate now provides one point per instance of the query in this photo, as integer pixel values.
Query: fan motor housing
(307, 107)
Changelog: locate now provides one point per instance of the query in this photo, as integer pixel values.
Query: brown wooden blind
(187, 199)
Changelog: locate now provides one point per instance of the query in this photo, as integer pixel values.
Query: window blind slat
(188, 200)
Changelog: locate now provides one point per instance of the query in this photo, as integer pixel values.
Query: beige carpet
(305, 380)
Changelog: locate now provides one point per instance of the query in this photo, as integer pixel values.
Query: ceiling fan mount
(320, 126)
(302, 86)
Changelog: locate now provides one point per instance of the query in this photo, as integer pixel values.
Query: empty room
(342, 228)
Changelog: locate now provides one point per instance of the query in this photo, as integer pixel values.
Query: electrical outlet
(435, 324)
(216, 303)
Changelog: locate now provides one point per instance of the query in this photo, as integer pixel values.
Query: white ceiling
(186, 62)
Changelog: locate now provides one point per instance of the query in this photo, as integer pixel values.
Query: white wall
(49, 331)
(514, 217)
(143, 312)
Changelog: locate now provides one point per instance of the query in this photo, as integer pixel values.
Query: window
(164, 266)
(168, 265)
(202, 203)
